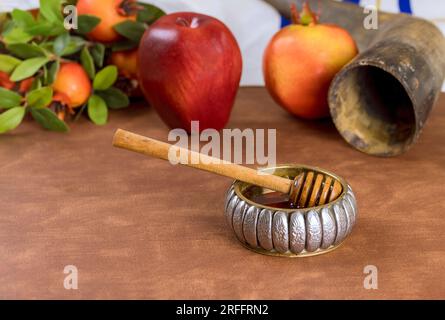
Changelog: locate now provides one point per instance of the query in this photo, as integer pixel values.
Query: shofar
(381, 100)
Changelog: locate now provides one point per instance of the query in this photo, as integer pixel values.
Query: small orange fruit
(111, 12)
(22, 86)
(25, 85)
(72, 85)
(126, 62)
(35, 12)
(5, 81)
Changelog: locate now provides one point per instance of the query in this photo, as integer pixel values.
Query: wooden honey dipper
(308, 189)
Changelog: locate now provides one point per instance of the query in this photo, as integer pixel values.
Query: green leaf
(46, 28)
(130, 29)
(87, 62)
(7, 26)
(10, 119)
(26, 50)
(60, 43)
(74, 45)
(8, 63)
(51, 10)
(28, 68)
(22, 18)
(149, 13)
(45, 74)
(105, 78)
(86, 23)
(36, 84)
(49, 120)
(46, 46)
(97, 110)
(114, 98)
(17, 35)
(98, 53)
(40, 98)
(52, 72)
(124, 46)
(9, 99)
(3, 20)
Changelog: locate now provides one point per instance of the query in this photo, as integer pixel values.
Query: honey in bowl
(272, 199)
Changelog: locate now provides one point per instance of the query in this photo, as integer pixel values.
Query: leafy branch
(34, 45)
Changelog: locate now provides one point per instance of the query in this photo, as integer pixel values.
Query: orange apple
(302, 59)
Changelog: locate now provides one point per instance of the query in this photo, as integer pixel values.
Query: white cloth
(9, 5)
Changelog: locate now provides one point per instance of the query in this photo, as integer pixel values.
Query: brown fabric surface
(137, 227)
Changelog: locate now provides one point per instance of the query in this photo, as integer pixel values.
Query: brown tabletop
(137, 227)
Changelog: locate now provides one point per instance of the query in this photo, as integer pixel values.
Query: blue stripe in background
(405, 6)
(284, 22)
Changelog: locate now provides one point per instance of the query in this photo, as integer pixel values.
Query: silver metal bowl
(290, 232)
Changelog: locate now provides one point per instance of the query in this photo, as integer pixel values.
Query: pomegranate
(72, 85)
(302, 59)
(126, 62)
(110, 12)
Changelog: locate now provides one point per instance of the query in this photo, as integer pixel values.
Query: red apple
(189, 70)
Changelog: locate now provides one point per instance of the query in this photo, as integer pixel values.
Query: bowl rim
(240, 186)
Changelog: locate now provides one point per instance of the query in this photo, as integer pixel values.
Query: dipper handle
(151, 147)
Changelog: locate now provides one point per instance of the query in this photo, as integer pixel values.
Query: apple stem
(182, 22)
(193, 23)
